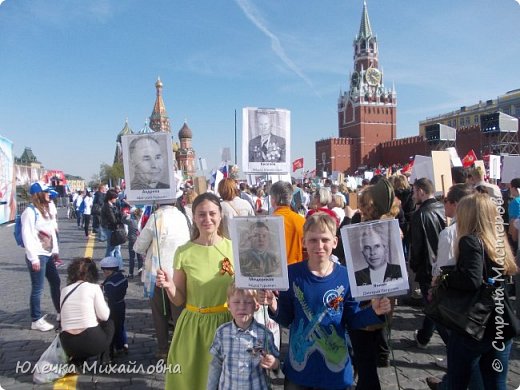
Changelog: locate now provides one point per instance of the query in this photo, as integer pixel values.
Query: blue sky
(72, 71)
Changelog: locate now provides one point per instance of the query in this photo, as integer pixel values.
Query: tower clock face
(373, 76)
(354, 80)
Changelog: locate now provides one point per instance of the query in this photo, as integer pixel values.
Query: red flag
(297, 164)
(407, 167)
(469, 159)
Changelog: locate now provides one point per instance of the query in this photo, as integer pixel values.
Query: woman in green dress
(202, 273)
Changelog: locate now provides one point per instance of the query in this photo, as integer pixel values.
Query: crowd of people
(185, 257)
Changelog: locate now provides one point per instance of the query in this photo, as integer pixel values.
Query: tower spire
(365, 31)
(159, 119)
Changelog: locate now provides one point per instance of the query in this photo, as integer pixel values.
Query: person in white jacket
(41, 246)
(166, 230)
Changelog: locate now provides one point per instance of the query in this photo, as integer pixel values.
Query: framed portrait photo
(259, 252)
(266, 140)
(375, 259)
(148, 165)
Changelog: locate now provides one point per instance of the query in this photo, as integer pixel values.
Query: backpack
(82, 206)
(18, 227)
(297, 200)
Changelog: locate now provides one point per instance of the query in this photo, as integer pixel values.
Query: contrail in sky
(252, 14)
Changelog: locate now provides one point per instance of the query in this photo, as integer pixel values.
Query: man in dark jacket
(97, 203)
(426, 224)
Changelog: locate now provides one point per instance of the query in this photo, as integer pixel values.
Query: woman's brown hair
(477, 215)
(227, 189)
(41, 203)
(82, 268)
(195, 232)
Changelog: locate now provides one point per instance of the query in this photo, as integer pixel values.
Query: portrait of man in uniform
(259, 260)
(264, 144)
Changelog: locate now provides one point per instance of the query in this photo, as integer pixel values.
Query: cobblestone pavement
(21, 347)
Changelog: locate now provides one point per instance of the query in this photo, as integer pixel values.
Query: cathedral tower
(185, 154)
(159, 120)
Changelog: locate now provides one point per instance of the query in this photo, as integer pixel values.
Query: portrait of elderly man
(266, 146)
(375, 251)
(147, 164)
(259, 260)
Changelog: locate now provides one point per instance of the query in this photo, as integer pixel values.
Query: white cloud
(253, 15)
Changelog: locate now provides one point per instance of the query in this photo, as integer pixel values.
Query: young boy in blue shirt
(317, 307)
(242, 349)
(114, 287)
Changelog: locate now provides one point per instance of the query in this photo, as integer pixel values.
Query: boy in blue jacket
(317, 307)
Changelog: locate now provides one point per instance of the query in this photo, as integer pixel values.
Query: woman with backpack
(41, 246)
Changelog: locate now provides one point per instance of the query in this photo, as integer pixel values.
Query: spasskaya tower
(366, 112)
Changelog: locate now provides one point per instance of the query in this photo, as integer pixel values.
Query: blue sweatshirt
(317, 310)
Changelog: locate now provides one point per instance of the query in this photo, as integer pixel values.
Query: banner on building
(7, 181)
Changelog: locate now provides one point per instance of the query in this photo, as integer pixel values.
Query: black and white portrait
(260, 257)
(375, 259)
(375, 250)
(266, 140)
(148, 164)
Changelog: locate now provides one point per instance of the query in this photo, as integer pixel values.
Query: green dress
(194, 332)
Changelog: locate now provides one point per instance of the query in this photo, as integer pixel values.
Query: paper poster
(375, 259)
(260, 259)
(353, 200)
(149, 168)
(441, 171)
(510, 168)
(454, 157)
(200, 184)
(266, 140)
(480, 164)
(422, 167)
(494, 167)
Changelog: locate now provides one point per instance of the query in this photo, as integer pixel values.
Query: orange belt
(207, 310)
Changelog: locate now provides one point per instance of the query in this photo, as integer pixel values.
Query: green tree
(111, 173)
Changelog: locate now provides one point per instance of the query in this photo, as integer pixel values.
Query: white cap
(109, 262)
